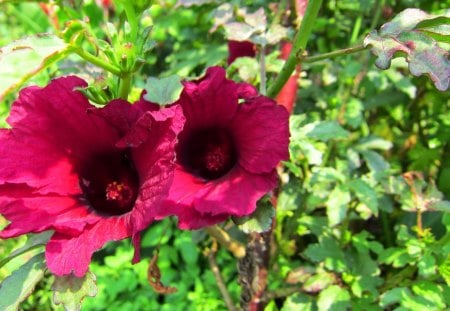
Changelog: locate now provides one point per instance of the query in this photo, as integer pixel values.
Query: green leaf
(333, 298)
(259, 221)
(318, 282)
(366, 194)
(70, 290)
(373, 142)
(325, 130)
(444, 270)
(34, 240)
(163, 91)
(422, 52)
(443, 206)
(394, 295)
(431, 292)
(20, 284)
(375, 161)
(337, 205)
(298, 302)
(328, 251)
(24, 58)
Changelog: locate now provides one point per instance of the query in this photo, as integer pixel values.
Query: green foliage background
(352, 230)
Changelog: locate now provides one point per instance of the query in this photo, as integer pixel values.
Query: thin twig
(315, 58)
(236, 248)
(219, 279)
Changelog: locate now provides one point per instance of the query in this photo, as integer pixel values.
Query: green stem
(347, 51)
(125, 86)
(262, 64)
(98, 61)
(386, 229)
(376, 17)
(132, 19)
(300, 41)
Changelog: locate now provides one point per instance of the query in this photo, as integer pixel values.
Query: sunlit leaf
(20, 284)
(259, 221)
(421, 51)
(334, 298)
(163, 91)
(70, 290)
(24, 58)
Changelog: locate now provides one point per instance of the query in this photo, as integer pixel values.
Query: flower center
(208, 153)
(110, 183)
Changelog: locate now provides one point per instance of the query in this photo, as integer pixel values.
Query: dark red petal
(235, 194)
(52, 133)
(66, 254)
(29, 212)
(261, 132)
(153, 138)
(210, 101)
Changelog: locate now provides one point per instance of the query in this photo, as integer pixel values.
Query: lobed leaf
(70, 290)
(403, 35)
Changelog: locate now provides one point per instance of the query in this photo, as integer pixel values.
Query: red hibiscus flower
(231, 143)
(69, 167)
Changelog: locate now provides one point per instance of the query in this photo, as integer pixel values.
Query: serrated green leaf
(70, 290)
(421, 51)
(163, 91)
(259, 221)
(20, 284)
(327, 251)
(24, 58)
(334, 298)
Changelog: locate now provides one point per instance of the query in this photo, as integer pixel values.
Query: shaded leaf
(70, 290)
(34, 240)
(24, 58)
(163, 91)
(366, 194)
(422, 51)
(20, 284)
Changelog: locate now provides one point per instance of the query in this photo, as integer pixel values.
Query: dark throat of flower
(110, 183)
(208, 153)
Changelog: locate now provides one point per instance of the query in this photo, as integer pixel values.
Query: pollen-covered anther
(118, 192)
